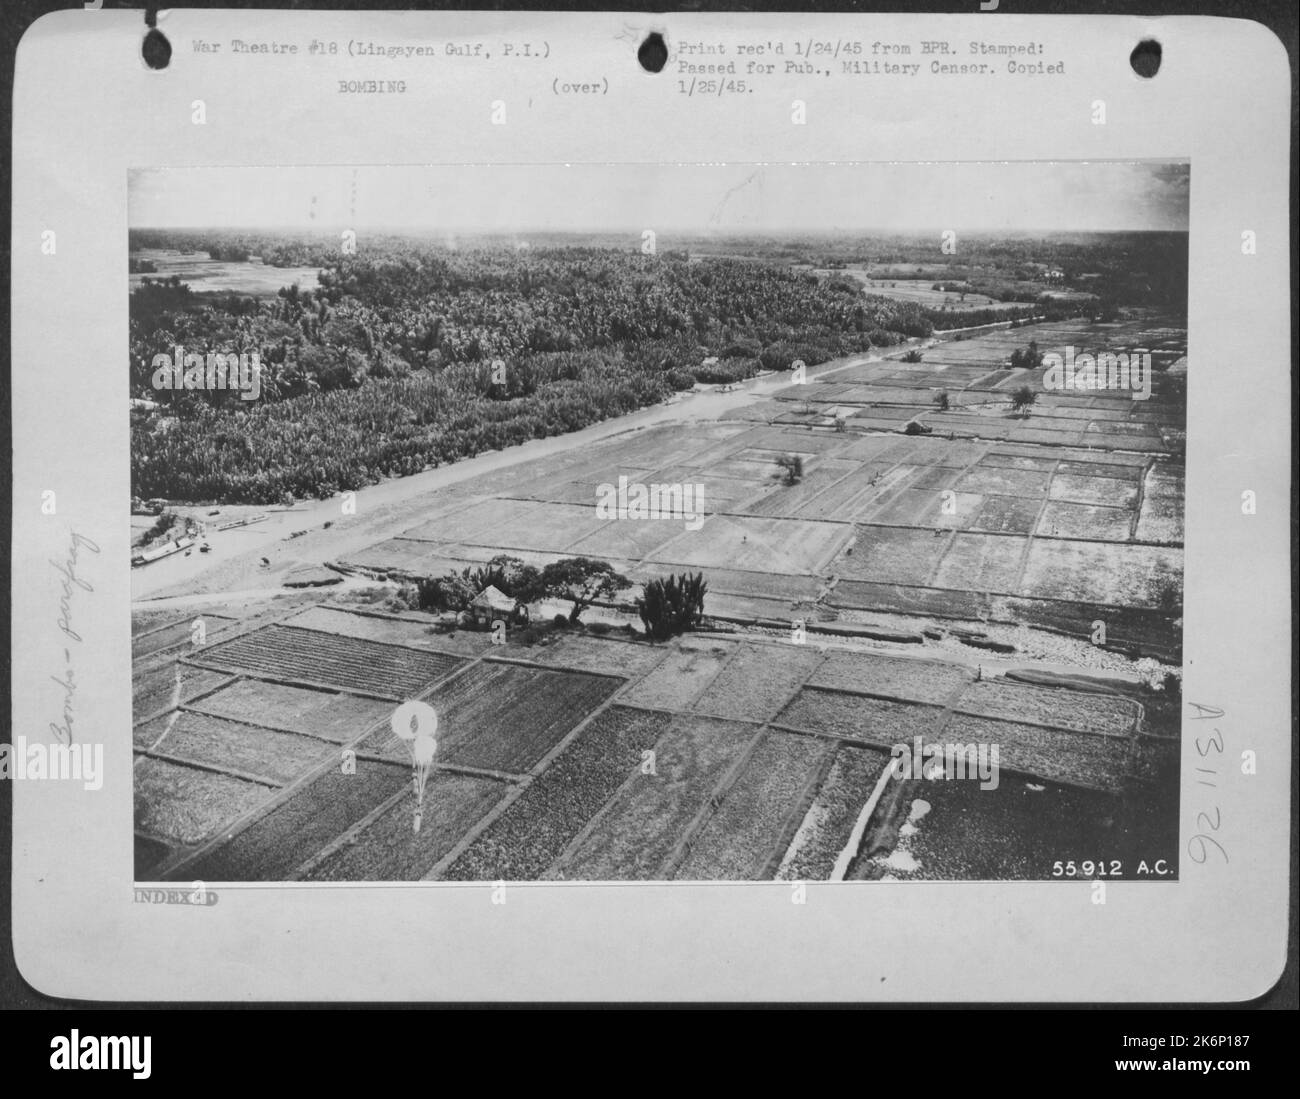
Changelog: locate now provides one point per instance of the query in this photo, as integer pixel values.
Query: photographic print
(630, 523)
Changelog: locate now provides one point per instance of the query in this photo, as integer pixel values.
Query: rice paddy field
(587, 758)
(751, 749)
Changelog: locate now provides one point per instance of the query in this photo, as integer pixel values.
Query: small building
(490, 605)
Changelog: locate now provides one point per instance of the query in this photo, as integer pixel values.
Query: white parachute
(415, 723)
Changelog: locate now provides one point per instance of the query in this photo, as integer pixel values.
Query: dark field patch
(281, 652)
(273, 846)
(503, 717)
(388, 848)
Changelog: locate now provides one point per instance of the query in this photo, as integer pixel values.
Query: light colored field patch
(792, 546)
(587, 653)
(1105, 524)
(1104, 491)
(514, 524)
(163, 688)
(1083, 711)
(680, 677)
(1121, 575)
(757, 682)
(261, 753)
(400, 631)
(995, 481)
(981, 562)
(1161, 518)
(870, 673)
(337, 717)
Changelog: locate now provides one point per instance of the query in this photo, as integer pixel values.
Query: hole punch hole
(653, 54)
(156, 50)
(1145, 58)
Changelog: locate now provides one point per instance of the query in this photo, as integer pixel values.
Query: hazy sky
(970, 197)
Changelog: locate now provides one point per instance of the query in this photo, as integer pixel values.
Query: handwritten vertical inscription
(71, 583)
(1209, 748)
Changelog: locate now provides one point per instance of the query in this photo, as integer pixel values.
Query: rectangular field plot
(1105, 491)
(281, 652)
(388, 849)
(1001, 481)
(894, 554)
(1107, 573)
(513, 524)
(1161, 517)
(588, 653)
(681, 676)
(1083, 711)
(503, 717)
(750, 829)
(340, 718)
(786, 500)
(869, 673)
(765, 585)
(537, 826)
(177, 634)
(929, 508)
(1102, 524)
(1007, 515)
(259, 753)
(757, 681)
(870, 720)
(1002, 459)
(897, 599)
(272, 847)
(406, 557)
(791, 546)
(165, 687)
(630, 539)
(1078, 759)
(186, 805)
(413, 633)
(982, 562)
(829, 821)
(653, 813)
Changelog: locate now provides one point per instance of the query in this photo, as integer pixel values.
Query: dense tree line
(414, 356)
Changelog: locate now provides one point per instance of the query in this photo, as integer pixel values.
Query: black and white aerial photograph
(700, 523)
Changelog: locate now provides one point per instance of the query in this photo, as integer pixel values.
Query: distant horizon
(971, 198)
(739, 234)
